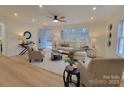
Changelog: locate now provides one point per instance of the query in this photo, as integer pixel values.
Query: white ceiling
(73, 13)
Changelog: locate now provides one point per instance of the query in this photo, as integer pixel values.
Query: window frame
(120, 37)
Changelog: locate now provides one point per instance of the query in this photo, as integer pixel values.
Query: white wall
(97, 30)
(111, 51)
(13, 27)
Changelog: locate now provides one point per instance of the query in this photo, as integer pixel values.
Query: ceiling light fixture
(55, 20)
(94, 8)
(15, 14)
(44, 24)
(40, 6)
(91, 18)
(33, 20)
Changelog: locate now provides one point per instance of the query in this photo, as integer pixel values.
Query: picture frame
(110, 27)
(109, 43)
(27, 34)
(110, 35)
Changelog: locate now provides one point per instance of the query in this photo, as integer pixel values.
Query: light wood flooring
(17, 72)
(23, 74)
(24, 59)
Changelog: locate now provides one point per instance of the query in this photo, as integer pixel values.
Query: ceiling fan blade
(49, 16)
(62, 20)
(62, 17)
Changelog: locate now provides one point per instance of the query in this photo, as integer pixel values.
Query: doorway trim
(3, 38)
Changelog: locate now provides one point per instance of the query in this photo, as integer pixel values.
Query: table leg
(67, 80)
(23, 51)
(78, 80)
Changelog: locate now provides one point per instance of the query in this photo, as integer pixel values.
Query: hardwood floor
(24, 59)
(17, 72)
(22, 74)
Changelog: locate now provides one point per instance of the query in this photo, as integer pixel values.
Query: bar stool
(70, 72)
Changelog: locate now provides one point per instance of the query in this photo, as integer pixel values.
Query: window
(121, 38)
(75, 35)
(45, 39)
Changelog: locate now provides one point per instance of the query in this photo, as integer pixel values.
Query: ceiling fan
(56, 19)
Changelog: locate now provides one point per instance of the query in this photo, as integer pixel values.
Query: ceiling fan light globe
(55, 21)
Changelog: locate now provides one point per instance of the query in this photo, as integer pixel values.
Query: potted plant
(71, 60)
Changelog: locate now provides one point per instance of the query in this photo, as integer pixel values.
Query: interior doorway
(2, 39)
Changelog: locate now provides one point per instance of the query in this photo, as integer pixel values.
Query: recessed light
(91, 18)
(44, 24)
(15, 14)
(40, 6)
(94, 8)
(33, 20)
